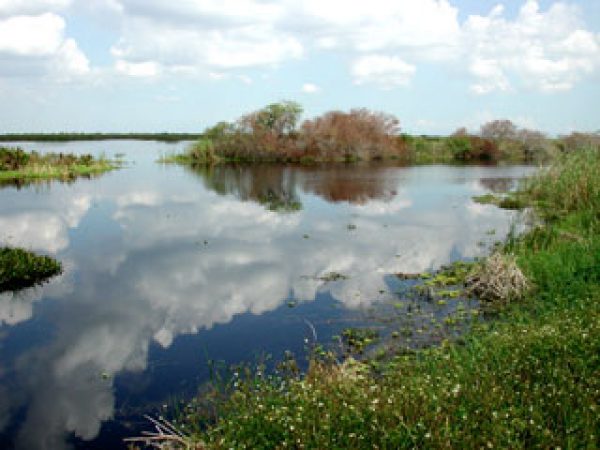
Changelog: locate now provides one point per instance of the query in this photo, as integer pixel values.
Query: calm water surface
(167, 268)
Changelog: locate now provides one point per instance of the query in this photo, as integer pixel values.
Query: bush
(468, 148)
(13, 158)
(358, 134)
(576, 141)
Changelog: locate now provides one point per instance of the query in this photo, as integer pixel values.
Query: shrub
(467, 148)
(358, 134)
(13, 158)
(576, 141)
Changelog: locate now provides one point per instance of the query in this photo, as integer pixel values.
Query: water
(167, 268)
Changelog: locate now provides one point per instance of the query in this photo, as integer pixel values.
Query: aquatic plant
(20, 268)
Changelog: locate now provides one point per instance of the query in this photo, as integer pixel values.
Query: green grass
(530, 378)
(18, 165)
(20, 268)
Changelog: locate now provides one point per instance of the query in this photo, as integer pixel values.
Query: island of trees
(276, 134)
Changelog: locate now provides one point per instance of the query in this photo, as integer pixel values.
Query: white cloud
(141, 69)
(37, 45)
(31, 7)
(542, 50)
(198, 49)
(310, 88)
(214, 36)
(546, 50)
(385, 71)
(31, 35)
(384, 25)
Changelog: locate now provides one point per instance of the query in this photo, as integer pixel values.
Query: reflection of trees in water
(276, 186)
(271, 186)
(354, 184)
(498, 185)
(20, 183)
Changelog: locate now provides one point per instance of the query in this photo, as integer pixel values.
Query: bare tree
(499, 130)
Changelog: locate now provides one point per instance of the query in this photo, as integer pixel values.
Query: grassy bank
(69, 137)
(20, 268)
(530, 378)
(19, 165)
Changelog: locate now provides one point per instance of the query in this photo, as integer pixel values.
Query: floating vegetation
(409, 276)
(21, 269)
(506, 201)
(356, 339)
(333, 276)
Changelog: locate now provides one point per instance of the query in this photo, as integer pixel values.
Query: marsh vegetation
(20, 268)
(17, 164)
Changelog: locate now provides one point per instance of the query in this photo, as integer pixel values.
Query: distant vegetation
(275, 134)
(66, 137)
(20, 268)
(17, 164)
(530, 379)
(498, 140)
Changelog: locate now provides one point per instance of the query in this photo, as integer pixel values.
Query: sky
(183, 65)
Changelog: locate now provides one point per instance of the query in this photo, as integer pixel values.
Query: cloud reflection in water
(159, 259)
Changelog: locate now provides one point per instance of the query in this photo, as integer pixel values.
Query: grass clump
(20, 268)
(17, 164)
(497, 280)
(529, 379)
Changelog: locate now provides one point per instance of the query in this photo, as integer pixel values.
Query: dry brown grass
(498, 280)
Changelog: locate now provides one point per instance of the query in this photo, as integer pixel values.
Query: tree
(535, 145)
(358, 134)
(278, 119)
(460, 132)
(499, 130)
(219, 130)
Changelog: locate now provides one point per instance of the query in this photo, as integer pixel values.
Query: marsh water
(168, 268)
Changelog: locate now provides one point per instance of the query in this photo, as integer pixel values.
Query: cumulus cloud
(545, 50)
(384, 25)
(31, 7)
(215, 36)
(542, 50)
(385, 71)
(37, 45)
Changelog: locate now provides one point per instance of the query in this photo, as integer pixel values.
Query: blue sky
(159, 65)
